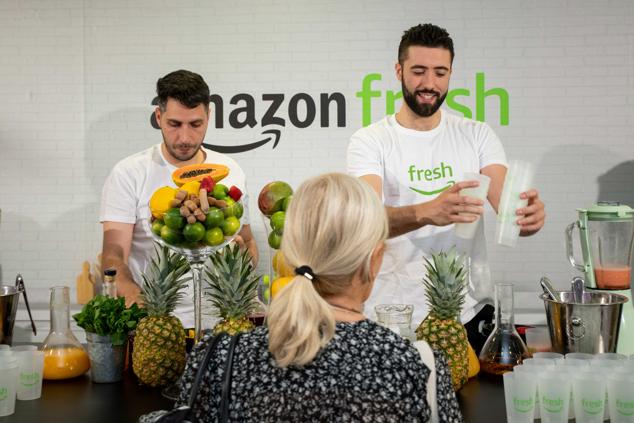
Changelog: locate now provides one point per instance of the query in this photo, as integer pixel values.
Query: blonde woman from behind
(319, 359)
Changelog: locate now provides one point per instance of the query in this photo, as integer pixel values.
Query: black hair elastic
(306, 272)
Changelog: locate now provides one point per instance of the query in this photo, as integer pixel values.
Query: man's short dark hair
(427, 35)
(189, 88)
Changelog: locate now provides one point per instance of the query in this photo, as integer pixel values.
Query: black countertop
(80, 400)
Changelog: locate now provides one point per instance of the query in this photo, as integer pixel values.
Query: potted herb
(107, 323)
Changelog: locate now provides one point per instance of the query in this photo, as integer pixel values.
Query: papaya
(197, 172)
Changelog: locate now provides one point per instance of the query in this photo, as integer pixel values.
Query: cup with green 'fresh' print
(589, 396)
(8, 376)
(621, 396)
(519, 396)
(554, 396)
(29, 382)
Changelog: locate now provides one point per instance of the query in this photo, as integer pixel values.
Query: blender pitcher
(606, 233)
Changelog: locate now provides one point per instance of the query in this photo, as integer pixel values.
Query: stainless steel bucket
(9, 298)
(589, 327)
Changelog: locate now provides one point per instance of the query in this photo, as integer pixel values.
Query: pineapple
(445, 285)
(159, 346)
(232, 289)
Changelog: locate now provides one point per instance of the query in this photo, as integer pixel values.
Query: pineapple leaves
(164, 281)
(445, 283)
(231, 283)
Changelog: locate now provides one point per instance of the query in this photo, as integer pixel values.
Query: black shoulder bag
(184, 413)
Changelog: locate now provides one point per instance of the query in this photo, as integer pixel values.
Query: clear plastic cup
(5, 347)
(397, 317)
(610, 356)
(580, 356)
(548, 355)
(8, 378)
(29, 383)
(621, 397)
(589, 390)
(24, 348)
(519, 178)
(573, 362)
(554, 396)
(468, 230)
(538, 340)
(519, 396)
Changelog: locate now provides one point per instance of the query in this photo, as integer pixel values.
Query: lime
(220, 192)
(230, 225)
(233, 208)
(157, 225)
(214, 218)
(194, 232)
(214, 236)
(286, 202)
(173, 219)
(275, 240)
(171, 236)
(277, 221)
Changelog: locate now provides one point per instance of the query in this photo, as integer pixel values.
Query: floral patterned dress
(366, 373)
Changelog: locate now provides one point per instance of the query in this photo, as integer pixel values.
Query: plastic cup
(621, 397)
(8, 378)
(548, 355)
(580, 356)
(468, 230)
(610, 356)
(519, 396)
(554, 396)
(519, 178)
(24, 348)
(538, 340)
(4, 347)
(29, 382)
(397, 317)
(589, 390)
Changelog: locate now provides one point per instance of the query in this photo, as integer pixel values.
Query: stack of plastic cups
(8, 378)
(621, 393)
(31, 365)
(519, 178)
(533, 367)
(468, 230)
(519, 395)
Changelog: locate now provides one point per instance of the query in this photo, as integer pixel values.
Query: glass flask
(504, 348)
(64, 356)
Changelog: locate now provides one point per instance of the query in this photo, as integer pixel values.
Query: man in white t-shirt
(415, 160)
(183, 115)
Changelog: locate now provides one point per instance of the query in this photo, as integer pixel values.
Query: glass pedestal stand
(196, 258)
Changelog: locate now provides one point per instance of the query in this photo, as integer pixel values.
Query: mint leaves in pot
(109, 316)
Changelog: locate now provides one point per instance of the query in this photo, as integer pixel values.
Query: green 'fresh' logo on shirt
(429, 175)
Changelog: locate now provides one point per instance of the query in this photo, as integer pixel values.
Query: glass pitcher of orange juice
(64, 356)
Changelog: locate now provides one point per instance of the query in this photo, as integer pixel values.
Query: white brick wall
(77, 78)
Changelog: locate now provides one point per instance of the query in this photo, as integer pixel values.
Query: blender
(606, 232)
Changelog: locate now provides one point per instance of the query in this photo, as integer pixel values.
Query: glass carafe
(504, 348)
(611, 243)
(64, 356)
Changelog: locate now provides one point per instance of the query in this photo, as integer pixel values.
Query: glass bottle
(504, 348)
(110, 288)
(64, 356)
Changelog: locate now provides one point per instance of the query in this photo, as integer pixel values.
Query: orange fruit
(280, 266)
(474, 363)
(280, 283)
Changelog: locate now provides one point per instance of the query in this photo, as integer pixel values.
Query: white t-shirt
(125, 198)
(415, 167)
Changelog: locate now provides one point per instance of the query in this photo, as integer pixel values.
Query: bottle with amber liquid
(64, 356)
(504, 349)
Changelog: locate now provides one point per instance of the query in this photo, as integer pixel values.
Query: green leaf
(108, 316)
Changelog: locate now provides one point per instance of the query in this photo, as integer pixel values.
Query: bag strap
(202, 367)
(223, 413)
(427, 355)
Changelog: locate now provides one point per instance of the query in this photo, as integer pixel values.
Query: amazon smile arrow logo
(228, 149)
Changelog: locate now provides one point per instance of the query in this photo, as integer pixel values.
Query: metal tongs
(19, 283)
(547, 286)
(578, 290)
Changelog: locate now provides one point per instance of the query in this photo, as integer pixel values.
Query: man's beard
(178, 155)
(425, 109)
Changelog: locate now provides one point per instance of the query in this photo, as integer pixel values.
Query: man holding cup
(417, 161)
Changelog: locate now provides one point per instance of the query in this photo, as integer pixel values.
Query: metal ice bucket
(589, 327)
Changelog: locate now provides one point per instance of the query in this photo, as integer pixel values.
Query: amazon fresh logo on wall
(273, 112)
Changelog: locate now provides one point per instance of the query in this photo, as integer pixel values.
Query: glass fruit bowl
(210, 231)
